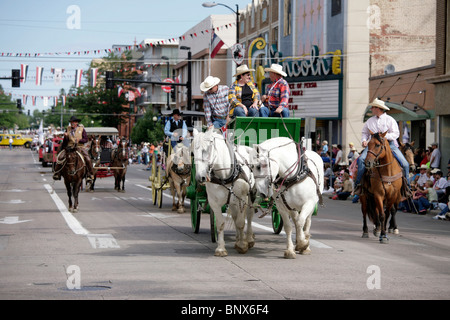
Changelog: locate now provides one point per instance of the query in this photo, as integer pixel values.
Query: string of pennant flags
(118, 49)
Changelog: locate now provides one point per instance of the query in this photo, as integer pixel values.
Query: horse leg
(302, 224)
(382, 220)
(250, 235)
(363, 200)
(180, 208)
(76, 190)
(69, 193)
(216, 210)
(238, 215)
(393, 223)
(123, 182)
(289, 253)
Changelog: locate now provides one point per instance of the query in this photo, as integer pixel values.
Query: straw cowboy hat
(209, 83)
(379, 104)
(242, 69)
(277, 69)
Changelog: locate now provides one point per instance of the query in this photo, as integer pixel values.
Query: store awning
(401, 113)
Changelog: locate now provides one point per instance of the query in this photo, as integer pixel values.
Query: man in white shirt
(435, 159)
(439, 182)
(380, 122)
(423, 175)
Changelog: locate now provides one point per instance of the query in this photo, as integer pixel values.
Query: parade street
(122, 246)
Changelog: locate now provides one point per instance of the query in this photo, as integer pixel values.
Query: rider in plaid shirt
(215, 102)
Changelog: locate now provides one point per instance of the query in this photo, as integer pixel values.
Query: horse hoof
(394, 231)
(75, 210)
(305, 252)
(181, 210)
(288, 254)
(174, 208)
(241, 249)
(221, 253)
(384, 239)
(365, 235)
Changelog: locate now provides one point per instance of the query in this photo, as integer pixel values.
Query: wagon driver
(380, 122)
(75, 135)
(175, 128)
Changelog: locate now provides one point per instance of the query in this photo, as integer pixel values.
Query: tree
(147, 130)
(9, 115)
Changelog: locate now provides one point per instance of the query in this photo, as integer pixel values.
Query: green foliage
(9, 115)
(147, 130)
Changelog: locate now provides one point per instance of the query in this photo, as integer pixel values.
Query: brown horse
(94, 153)
(73, 171)
(179, 172)
(382, 184)
(408, 151)
(120, 159)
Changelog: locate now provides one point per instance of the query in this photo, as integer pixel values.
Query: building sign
(320, 99)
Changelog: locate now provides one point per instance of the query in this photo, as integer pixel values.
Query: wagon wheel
(277, 221)
(159, 197)
(196, 209)
(212, 222)
(154, 194)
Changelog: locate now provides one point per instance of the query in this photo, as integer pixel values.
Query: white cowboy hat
(277, 69)
(242, 69)
(424, 166)
(379, 104)
(209, 83)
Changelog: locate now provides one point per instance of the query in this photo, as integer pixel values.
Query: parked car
(18, 140)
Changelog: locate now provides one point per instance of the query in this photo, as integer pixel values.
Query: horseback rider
(75, 135)
(380, 122)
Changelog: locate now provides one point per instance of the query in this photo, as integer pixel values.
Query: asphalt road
(121, 246)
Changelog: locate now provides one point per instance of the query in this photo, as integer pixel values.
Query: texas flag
(216, 44)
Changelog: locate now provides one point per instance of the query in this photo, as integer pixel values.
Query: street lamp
(189, 81)
(213, 4)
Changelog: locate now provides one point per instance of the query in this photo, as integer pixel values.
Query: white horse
(215, 166)
(274, 162)
(179, 173)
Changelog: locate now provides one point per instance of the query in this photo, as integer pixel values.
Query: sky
(54, 27)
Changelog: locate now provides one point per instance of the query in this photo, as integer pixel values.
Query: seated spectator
(328, 176)
(346, 190)
(420, 201)
(439, 183)
(422, 175)
(445, 210)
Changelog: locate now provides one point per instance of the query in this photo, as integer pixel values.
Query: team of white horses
(235, 174)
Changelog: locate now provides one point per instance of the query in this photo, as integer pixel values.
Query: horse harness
(303, 172)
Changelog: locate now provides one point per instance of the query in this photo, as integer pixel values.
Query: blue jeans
(266, 112)
(239, 112)
(422, 204)
(219, 123)
(397, 154)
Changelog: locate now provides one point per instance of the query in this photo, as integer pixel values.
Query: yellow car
(18, 140)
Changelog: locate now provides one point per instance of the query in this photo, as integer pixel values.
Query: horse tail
(370, 207)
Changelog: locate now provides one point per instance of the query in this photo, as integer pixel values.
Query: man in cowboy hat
(74, 136)
(215, 102)
(175, 128)
(380, 122)
(277, 99)
(243, 95)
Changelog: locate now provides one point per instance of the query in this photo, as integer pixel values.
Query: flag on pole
(119, 91)
(23, 72)
(216, 44)
(39, 71)
(94, 73)
(78, 75)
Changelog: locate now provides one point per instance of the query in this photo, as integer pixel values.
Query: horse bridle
(383, 147)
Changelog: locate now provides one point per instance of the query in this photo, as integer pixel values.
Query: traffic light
(173, 94)
(109, 81)
(15, 78)
(19, 105)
